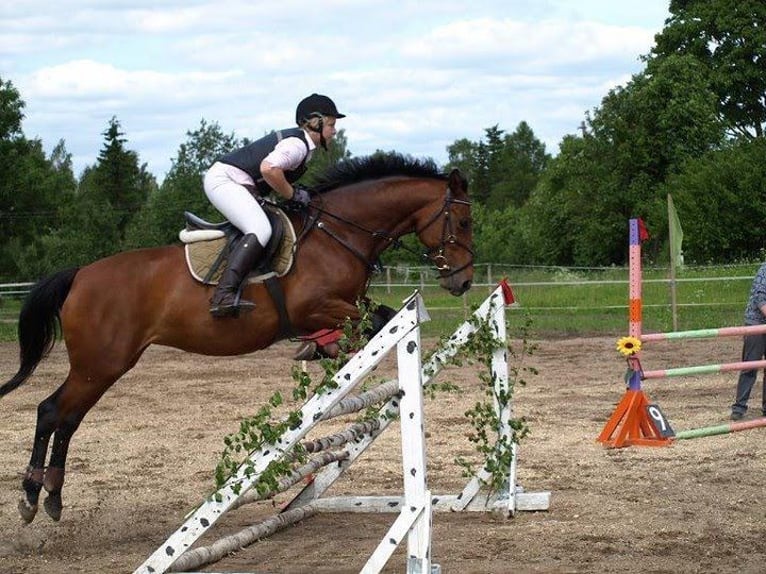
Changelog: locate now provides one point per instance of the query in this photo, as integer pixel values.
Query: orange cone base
(630, 424)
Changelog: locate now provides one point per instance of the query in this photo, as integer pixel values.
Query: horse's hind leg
(33, 477)
(61, 413)
(53, 480)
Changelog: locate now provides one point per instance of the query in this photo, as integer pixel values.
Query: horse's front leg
(32, 482)
(324, 343)
(331, 314)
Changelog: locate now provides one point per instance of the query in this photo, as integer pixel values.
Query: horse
(110, 311)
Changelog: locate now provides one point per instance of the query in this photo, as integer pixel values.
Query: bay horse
(110, 311)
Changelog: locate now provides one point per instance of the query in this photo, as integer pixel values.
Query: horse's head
(400, 195)
(447, 233)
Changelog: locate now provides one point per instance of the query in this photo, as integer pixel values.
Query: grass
(565, 302)
(561, 302)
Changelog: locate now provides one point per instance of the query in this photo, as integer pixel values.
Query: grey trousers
(753, 349)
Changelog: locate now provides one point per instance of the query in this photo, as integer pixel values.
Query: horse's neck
(389, 206)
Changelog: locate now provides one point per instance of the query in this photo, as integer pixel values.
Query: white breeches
(225, 188)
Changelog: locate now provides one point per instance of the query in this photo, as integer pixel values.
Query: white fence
(526, 276)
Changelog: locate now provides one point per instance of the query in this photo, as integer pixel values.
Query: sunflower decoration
(628, 346)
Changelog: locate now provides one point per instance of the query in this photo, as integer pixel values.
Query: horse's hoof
(27, 511)
(306, 352)
(53, 506)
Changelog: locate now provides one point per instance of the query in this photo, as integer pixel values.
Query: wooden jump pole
(721, 429)
(706, 333)
(416, 505)
(703, 369)
(414, 524)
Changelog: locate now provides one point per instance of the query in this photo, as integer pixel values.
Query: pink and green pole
(635, 326)
(721, 429)
(706, 333)
(704, 369)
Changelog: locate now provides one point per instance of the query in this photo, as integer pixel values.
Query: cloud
(414, 78)
(89, 80)
(532, 46)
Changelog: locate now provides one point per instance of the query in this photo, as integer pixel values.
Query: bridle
(435, 254)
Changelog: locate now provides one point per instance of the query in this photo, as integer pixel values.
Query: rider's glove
(301, 196)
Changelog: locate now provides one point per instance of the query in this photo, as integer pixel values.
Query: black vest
(249, 157)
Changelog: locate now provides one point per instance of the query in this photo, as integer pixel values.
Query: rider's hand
(301, 196)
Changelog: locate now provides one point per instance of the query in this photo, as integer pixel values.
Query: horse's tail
(39, 321)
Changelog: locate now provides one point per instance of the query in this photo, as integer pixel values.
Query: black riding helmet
(316, 104)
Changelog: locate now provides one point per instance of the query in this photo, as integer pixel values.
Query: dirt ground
(145, 454)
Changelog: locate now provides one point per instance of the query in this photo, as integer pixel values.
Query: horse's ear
(457, 182)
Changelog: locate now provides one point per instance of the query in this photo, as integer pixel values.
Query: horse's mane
(375, 166)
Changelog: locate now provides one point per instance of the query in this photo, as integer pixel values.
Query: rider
(273, 162)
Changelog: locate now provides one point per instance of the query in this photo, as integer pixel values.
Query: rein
(435, 254)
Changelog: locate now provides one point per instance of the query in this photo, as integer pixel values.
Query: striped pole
(704, 369)
(721, 429)
(706, 333)
(634, 302)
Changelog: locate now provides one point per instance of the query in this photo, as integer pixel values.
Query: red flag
(643, 233)
(508, 297)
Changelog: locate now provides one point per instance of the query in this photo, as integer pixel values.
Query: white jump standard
(414, 507)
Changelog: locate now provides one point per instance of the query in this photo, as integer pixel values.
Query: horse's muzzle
(457, 289)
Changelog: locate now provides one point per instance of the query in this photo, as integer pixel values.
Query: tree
(516, 168)
(111, 194)
(503, 170)
(33, 190)
(161, 218)
(721, 201)
(727, 38)
(11, 114)
(640, 135)
(323, 159)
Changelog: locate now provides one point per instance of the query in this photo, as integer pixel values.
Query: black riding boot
(225, 301)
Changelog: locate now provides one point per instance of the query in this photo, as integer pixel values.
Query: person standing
(273, 162)
(753, 346)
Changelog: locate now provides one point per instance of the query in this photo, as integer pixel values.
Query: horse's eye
(465, 223)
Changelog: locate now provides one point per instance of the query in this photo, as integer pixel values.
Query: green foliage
(504, 170)
(495, 234)
(321, 161)
(728, 40)
(33, 190)
(96, 218)
(116, 183)
(11, 114)
(721, 201)
(254, 433)
(494, 447)
(641, 134)
(161, 217)
(264, 428)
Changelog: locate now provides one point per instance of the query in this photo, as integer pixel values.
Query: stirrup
(233, 309)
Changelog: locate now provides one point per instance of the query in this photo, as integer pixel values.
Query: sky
(412, 76)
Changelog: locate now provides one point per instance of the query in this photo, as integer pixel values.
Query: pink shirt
(290, 153)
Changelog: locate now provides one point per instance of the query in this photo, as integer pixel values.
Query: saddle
(207, 247)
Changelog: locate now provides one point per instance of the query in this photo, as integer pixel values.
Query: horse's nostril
(467, 285)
